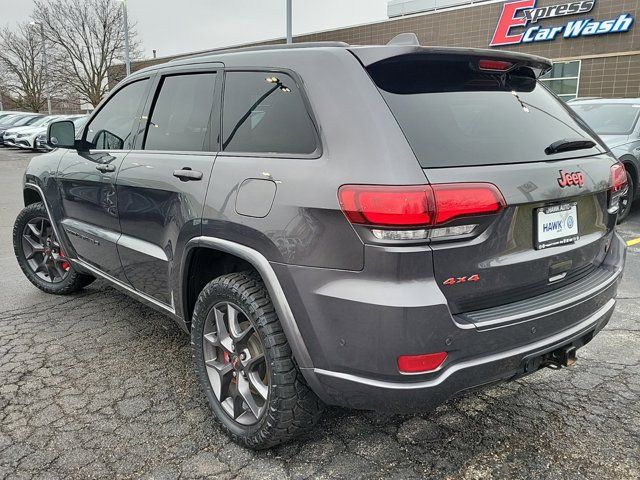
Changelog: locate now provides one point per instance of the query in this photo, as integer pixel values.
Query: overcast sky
(180, 26)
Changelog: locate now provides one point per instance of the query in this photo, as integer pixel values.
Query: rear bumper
(356, 324)
(370, 394)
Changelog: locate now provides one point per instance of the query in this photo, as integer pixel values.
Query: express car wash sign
(518, 23)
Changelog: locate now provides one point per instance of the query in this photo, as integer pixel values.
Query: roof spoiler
(399, 48)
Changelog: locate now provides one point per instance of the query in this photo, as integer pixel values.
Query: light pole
(45, 62)
(127, 60)
(289, 22)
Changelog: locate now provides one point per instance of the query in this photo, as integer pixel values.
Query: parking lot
(97, 385)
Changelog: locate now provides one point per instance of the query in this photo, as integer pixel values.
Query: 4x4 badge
(568, 179)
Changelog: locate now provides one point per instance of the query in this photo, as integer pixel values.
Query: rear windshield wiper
(568, 144)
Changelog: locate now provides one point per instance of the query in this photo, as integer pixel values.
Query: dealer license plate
(556, 225)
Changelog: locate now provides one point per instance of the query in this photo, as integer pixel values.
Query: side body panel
(87, 180)
(304, 225)
(359, 139)
(89, 207)
(159, 212)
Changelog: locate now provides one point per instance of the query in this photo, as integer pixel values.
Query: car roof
(270, 55)
(593, 101)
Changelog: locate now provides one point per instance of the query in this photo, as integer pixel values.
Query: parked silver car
(615, 120)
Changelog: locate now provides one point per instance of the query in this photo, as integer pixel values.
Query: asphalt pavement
(96, 385)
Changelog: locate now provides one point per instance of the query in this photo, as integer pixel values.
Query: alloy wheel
(625, 204)
(42, 251)
(236, 365)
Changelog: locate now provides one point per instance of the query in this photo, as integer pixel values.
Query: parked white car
(12, 136)
(17, 120)
(37, 141)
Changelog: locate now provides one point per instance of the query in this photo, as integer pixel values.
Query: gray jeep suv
(377, 227)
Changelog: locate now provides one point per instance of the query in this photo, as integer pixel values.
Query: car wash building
(594, 44)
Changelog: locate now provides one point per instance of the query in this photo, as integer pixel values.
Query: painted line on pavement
(633, 242)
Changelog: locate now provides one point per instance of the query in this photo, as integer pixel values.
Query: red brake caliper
(64, 265)
(227, 360)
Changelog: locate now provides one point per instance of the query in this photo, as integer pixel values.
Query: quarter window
(562, 79)
(264, 113)
(181, 116)
(111, 128)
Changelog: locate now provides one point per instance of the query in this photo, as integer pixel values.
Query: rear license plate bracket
(555, 225)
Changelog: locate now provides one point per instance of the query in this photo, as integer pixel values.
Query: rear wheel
(626, 200)
(245, 365)
(40, 255)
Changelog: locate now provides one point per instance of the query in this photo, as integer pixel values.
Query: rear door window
(453, 114)
(264, 112)
(181, 117)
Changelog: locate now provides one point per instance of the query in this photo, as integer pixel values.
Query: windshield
(26, 121)
(80, 121)
(609, 118)
(43, 121)
(454, 114)
(10, 120)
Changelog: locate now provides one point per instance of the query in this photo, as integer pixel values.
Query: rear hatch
(482, 118)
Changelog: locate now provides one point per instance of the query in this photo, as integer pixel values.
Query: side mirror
(62, 134)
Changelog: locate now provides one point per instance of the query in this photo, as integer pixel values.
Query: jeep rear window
(454, 114)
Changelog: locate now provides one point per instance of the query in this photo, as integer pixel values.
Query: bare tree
(91, 35)
(22, 71)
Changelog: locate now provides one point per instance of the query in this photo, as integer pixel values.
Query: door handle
(106, 167)
(186, 174)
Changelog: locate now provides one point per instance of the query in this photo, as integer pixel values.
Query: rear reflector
(494, 65)
(421, 363)
(395, 235)
(418, 205)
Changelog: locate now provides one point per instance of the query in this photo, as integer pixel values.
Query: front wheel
(245, 366)
(40, 255)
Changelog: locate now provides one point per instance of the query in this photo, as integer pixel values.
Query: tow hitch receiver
(563, 357)
(555, 359)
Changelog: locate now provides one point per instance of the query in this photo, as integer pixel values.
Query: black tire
(627, 201)
(290, 407)
(71, 282)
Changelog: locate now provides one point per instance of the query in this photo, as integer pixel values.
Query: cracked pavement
(96, 385)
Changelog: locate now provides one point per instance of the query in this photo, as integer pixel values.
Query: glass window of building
(563, 79)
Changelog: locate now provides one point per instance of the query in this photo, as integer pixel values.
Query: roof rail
(259, 48)
(405, 39)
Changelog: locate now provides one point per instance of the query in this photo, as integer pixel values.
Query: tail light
(421, 363)
(417, 211)
(619, 186)
(387, 206)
